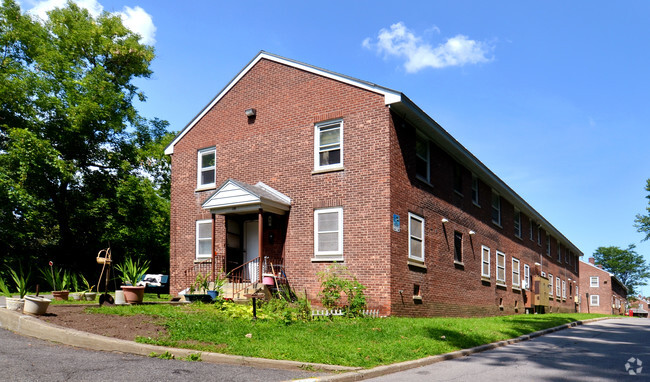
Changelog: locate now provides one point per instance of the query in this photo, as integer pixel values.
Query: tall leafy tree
(79, 167)
(626, 264)
(642, 222)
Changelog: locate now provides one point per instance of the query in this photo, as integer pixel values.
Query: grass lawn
(148, 297)
(351, 342)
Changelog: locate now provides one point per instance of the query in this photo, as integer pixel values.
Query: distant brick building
(302, 167)
(601, 291)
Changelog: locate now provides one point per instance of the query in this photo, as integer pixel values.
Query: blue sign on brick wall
(396, 222)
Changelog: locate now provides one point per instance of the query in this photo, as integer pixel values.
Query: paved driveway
(597, 351)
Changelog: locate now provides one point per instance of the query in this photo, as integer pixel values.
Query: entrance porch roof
(236, 197)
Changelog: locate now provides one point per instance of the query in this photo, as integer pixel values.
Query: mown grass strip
(349, 342)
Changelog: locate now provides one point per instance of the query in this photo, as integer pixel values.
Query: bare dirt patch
(122, 327)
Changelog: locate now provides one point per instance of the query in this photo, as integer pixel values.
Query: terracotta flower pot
(133, 294)
(60, 294)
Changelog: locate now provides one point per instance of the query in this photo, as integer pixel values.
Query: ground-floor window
(416, 237)
(203, 239)
(501, 267)
(550, 284)
(328, 233)
(485, 258)
(595, 300)
(515, 273)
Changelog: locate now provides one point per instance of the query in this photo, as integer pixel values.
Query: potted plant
(20, 280)
(4, 289)
(74, 285)
(58, 281)
(88, 294)
(130, 272)
(215, 287)
(199, 290)
(36, 305)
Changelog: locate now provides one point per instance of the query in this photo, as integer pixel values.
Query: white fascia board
(390, 96)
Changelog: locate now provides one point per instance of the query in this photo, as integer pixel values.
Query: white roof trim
(390, 96)
(238, 197)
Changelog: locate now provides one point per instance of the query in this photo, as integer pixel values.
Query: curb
(33, 327)
(359, 375)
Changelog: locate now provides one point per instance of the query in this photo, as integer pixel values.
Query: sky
(552, 96)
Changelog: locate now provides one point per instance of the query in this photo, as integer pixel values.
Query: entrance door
(251, 249)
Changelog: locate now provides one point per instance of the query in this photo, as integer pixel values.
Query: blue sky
(552, 96)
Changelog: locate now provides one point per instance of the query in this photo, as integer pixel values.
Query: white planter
(119, 297)
(90, 296)
(36, 305)
(15, 304)
(77, 296)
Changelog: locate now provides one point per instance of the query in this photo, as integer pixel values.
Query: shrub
(337, 282)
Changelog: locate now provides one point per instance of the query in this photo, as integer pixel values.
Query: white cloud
(401, 42)
(136, 19)
(140, 22)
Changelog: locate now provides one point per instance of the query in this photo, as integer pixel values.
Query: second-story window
(496, 208)
(422, 158)
(328, 145)
(593, 281)
(458, 178)
(475, 189)
(548, 244)
(517, 223)
(207, 169)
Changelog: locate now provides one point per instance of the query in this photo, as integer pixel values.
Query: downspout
(260, 240)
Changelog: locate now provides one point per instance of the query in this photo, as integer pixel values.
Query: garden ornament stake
(104, 258)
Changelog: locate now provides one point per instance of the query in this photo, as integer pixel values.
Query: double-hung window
(516, 281)
(517, 223)
(496, 208)
(532, 229)
(501, 268)
(422, 158)
(563, 289)
(559, 253)
(207, 168)
(203, 239)
(526, 276)
(485, 259)
(557, 287)
(593, 281)
(328, 145)
(458, 247)
(458, 178)
(328, 234)
(416, 238)
(595, 300)
(475, 189)
(550, 284)
(548, 244)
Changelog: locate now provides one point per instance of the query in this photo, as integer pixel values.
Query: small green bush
(337, 282)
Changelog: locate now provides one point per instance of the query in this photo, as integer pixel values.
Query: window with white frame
(517, 223)
(496, 208)
(485, 260)
(475, 189)
(526, 276)
(416, 237)
(501, 267)
(203, 239)
(516, 280)
(594, 282)
(422, 158)
(558, 285)
(563, 289)
(207, 168)
(328, 233)
(550, 284)
(328, 145)
(594, 300)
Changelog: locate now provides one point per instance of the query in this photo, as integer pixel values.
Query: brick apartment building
(301, 167)
(601, 291)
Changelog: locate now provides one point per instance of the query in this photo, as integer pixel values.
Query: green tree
(79, 167)
(627, 265)
(642, 222)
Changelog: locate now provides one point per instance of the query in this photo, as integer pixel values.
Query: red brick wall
(446, 288)
(277, 148)
(608, 291)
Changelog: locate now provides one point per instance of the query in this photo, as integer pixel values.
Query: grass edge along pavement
(362, 343)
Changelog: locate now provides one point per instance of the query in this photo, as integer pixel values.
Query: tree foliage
(627, 265)
(642, 222)
(80, 169)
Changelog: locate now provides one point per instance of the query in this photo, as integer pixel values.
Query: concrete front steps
(242, 291)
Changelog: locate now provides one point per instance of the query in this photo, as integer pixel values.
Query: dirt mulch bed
(126, 328)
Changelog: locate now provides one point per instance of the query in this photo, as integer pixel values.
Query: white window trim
(591, 282)
(427, 159)
(199, 169)
(591, 300)
(526, 276)
(563, 289)
(196, 240)
(550, 284)
(516, 280)
(485, 250)
(557, 287)
(503, 256)
(328, 255)
(317, 127)
(421, 220)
